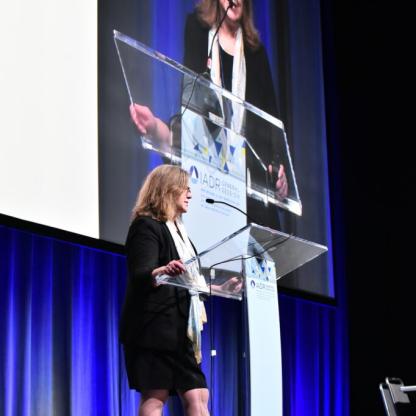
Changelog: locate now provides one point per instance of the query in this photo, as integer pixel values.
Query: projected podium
(208, 124)
(233, 150)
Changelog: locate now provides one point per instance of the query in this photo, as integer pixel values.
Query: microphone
(207, 72)
(213, 201)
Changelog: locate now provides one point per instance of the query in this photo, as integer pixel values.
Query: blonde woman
(160, 325)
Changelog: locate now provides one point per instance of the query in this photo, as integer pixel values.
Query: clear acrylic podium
(223, 265)
(245, 266)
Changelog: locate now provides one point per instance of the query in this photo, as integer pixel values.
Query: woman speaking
(160, 326)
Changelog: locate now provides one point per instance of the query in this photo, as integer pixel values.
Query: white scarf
(238, 76)
(192, 276)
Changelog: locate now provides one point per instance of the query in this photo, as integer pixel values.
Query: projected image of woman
(238, 62)
(160, 326)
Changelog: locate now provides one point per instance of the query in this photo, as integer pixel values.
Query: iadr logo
(193, 173)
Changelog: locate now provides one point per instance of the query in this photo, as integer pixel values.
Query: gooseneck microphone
(207, 72)
(213, 201)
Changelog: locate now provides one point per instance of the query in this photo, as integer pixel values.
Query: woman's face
(183, 201)
(236, 12)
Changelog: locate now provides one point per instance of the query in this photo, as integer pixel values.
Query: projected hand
(144, 119)
(148, 124)
(281, 182)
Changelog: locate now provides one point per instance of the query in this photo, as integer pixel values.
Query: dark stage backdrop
(59, 310)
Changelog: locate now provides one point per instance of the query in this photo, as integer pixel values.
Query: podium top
(193, 105)
(222, 264)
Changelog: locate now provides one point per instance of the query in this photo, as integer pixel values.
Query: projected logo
(193, 173)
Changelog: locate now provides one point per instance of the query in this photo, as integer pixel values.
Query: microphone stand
(207, 73)
(212, 201)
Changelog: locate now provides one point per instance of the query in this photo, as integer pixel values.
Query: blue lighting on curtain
(314, 355)
(60, 304)
(265, 19)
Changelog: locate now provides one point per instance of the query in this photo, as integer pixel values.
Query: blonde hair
(210, 13)
(159, 192)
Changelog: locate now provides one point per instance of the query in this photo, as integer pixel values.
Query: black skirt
(150, 369)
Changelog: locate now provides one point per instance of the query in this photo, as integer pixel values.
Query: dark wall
(367, 56)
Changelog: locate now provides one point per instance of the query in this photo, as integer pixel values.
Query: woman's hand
(173, 268)
(232, 285)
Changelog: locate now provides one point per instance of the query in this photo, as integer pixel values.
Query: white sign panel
(264, 338)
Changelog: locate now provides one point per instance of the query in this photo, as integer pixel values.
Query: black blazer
(152, 317)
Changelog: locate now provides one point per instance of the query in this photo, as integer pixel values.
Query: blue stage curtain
(59, 310)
